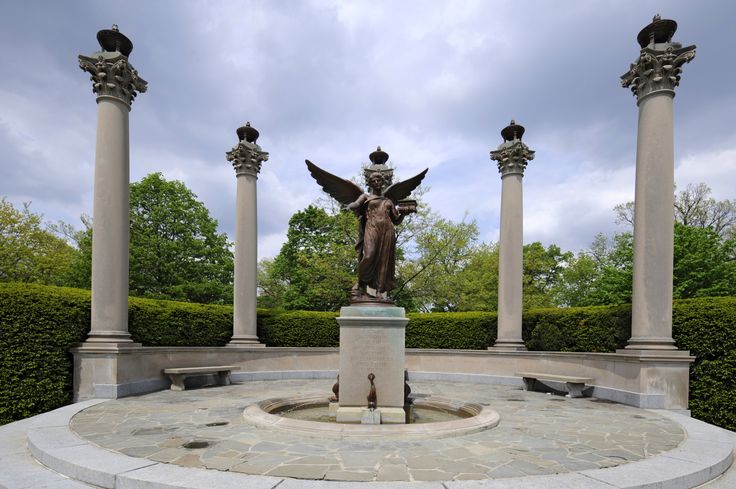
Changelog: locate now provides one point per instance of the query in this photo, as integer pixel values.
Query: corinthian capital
(512, 157)
(112, 75)
(657, 70)
(247, 156)
(659, 65)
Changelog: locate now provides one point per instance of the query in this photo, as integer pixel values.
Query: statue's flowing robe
(377, 245)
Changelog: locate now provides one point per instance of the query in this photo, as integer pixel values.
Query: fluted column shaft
(246, 261)
(246, 158)
(116, 83)
(652, 78)
(512, 157)
(510, 264)
(110, 224)
(654, 219)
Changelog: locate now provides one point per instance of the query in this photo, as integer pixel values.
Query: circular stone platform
(538, 434)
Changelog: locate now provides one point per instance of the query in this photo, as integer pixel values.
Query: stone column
(116, 83)
(246, 158)
(512, 157)
(652, 79)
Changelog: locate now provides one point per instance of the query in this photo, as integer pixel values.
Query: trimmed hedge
(169, 323)
(707, 327)
(451, 330)
(298, 328)
(592, 329)
(39, 324)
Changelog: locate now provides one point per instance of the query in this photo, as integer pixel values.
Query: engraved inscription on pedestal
(375, 345)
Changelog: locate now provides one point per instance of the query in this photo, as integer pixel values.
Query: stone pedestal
(371, 341)
(512, 157)
(246, 158)
(653, 78)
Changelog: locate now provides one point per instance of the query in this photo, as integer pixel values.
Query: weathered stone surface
(372, 341)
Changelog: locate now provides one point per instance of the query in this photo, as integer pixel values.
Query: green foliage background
(39, 324)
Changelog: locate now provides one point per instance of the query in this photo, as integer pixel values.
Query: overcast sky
(432, 82)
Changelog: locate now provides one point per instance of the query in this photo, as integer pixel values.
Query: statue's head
(379, 179)
(378, 174)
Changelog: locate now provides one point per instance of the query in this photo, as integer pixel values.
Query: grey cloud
(433, 82)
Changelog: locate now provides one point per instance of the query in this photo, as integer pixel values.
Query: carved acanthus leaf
(113, 77)
(512, 157)
(247, 158)
(657, 70)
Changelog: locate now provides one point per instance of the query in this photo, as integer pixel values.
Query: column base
(651, 344)
(245, 340)
(508, 345)
(112, 339)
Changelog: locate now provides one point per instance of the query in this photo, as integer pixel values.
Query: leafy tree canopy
(31, 250)
(315, 268)
(176, 252)
(694, 207)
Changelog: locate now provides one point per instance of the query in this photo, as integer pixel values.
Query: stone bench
(179, 374)
(575, 385)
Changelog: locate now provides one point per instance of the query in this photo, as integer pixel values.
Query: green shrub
(299, 328)
(167, 323)
(704, 326)
(451, 330)
(592, 329)
(707, 327)
(38, 326)
(713, 391)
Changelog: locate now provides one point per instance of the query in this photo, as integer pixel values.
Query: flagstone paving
(538, 434)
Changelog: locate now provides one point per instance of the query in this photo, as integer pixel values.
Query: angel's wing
(344, 191)
(401, 190)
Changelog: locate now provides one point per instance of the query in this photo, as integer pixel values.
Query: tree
(600, 275)
(442, 250)
(704, 266)
(695, 208)
(175, 250)
(478, 281)
(31, 250)
(316, 267)
(705, 263)
(541, 273)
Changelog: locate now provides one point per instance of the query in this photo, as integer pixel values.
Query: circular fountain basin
(469, 418)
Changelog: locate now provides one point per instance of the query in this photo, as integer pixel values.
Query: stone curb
(704, 455)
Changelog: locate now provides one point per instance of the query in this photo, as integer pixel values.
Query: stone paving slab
(19, 470)
(562, 481)
(538, 435)
(88, 464)
(162, 476)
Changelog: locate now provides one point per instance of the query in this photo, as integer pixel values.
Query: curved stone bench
(575, 385)
(179, 374)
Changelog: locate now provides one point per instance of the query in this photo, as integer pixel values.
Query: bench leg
(177, 382)
(529, 383)
(223, 378)
(575, 389)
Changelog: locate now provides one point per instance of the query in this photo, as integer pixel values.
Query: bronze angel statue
(378, 211)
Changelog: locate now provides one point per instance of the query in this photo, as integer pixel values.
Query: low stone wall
(648, 379)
